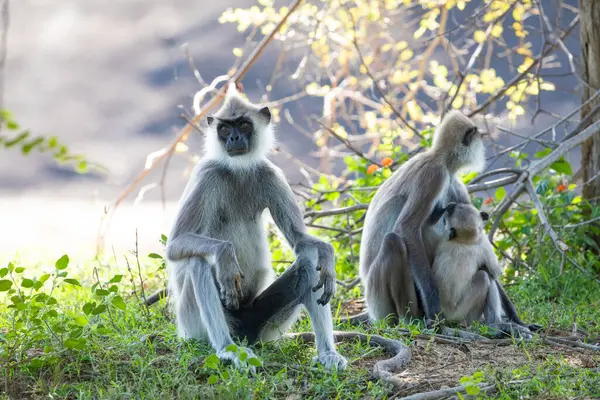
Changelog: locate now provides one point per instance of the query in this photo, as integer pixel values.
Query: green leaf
(562, 167)
(19, 270)
(99, 310)
(163, 238)
(254, 362)
(3, 272)
(27, 283)
(500, 193)
(88, 307)
(118, 302)
(472, 390)
(75, 344)
(212, 362)
(73, 282)
(5, 284)
(543, 153)
(82, 167)
(232, 347)
(80, 320)
(243, 355)
(478, 202)
(213, 379)
(154, 255)
(101, 292)
(62, 262)
(116, 279)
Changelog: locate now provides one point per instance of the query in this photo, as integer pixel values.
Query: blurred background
(111, 80)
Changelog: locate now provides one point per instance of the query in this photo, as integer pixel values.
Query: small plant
(220, 373)
(471, 384)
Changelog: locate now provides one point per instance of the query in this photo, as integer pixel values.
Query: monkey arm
(409, 225)
(490, 260)
(288, 218)
(192, 245)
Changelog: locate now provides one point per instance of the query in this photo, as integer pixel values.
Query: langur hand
(229, 277)
(326, 268)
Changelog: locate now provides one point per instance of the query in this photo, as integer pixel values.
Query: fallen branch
(443, 393)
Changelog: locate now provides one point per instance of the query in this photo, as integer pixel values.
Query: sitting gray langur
(466, 272)
(403, 226)
(464, 265)
(221, 283)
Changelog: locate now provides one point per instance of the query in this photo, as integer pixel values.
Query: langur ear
(209, 120)
(484, 216)
(266, 113)
(469, 136)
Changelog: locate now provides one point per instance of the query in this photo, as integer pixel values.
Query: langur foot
(331, 360)
(534, 327)
(510, 329)
(229, 356)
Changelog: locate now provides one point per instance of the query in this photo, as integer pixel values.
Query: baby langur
(221, 283)
(464, 266)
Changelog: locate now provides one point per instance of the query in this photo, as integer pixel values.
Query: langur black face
(463, 221)
(238, 136)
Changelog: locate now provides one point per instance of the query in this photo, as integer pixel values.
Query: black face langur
(464, 264)
(466, 272)
(403, 226)
(403, 221)
(221, 283)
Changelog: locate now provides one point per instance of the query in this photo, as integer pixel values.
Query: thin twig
(187, 129)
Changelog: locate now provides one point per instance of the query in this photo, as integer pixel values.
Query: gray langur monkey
(464, 265)
(403, 226)
(221, 283)
(466, 272)
(403, 221)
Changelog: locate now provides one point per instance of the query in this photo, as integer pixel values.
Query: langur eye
(245, 127)
(452, 234)
(223, 130)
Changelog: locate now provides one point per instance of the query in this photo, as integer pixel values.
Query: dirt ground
(436, 366)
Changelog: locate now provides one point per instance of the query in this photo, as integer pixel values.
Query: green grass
(92, 339)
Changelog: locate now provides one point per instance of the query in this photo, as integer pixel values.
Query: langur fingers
(328, 284)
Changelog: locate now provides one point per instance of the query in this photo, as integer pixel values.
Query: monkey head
(463, 223)
(459, 142)
(239, 132)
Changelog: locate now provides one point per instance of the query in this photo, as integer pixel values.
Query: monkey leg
(511, 311)
(495, 311)
(197, 305)
(470, 306)
(390, 289)
(274, 311)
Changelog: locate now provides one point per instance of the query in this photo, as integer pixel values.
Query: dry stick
(188, 128)
(374, 80)
(559, 244)
(538, 166)
(517, 78)
(335, 211)
(444, 393)
(383, 369)
(346, 143)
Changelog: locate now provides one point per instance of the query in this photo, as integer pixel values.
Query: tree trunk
(589, 11)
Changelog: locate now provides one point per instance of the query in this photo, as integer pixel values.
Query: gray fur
(221, 282)
(403, 206)
(464, 266)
